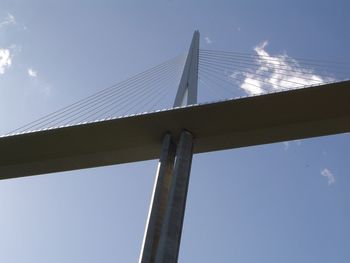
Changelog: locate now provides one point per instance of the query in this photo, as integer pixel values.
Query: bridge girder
(288, 115)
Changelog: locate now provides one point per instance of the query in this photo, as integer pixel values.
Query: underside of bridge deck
(287, 115)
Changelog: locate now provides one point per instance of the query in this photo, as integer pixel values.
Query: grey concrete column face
(159, 201)
(172, 227)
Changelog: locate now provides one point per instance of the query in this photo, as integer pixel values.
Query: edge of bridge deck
(281, 116)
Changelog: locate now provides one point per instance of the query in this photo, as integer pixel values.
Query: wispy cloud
(5, 60)
(208, 40)
(32, 73)
(329, 175)
(8, 20)
(38, 82)
(275, 72)
(5, 53)
(251, 85)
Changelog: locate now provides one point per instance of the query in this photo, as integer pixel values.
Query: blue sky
(284, 202)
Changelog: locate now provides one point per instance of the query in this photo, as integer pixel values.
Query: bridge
(75, 138)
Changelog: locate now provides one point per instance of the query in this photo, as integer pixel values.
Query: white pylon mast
(187, 91)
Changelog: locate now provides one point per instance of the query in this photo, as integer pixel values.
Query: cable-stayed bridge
(159, 113)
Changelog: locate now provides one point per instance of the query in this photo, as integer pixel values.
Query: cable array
(230, 74)
(222, 75)
(150, 90)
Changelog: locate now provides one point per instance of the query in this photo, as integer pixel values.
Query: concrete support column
(169, 242)
(159, 201)
(164, 225)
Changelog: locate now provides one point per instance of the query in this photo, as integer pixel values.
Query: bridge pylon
(162, 237)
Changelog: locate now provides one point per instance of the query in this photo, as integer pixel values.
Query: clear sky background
(283, 202)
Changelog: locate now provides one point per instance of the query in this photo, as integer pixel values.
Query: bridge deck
(287, 115)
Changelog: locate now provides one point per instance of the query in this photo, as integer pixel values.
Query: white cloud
(208, 40)
(38, 83)
(8, 20)
(32, 73)
(329, 175)
(273, 73)
(5, 60)
(5, 53)
(251, 85)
